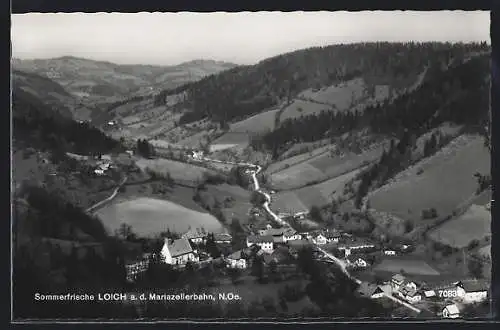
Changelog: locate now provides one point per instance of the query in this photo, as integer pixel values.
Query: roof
(368, 289)
(222, 237)
(236, 255)
(260, 239)
(474, 285)
(179, 247)
(453, 309)
(398, 278)
(275, 232)
(355, 257)
(290, 232)
(195, 233)
(410, 292)
(332, 234)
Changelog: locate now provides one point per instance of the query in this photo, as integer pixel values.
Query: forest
(246, 90)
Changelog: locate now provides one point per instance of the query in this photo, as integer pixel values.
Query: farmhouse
(410, 294)
(291, 234)
(349, 247)
(472, 291)
(357, 261)
(390, 252)
(451, 312)
(397, 281)
(266, 243)
(222, 238)
(276, 233)
(332, 236)
(236, 260)
(179, 252)
(429, 293)
(320, 239)
(370, 290)
(263, 228)
(196, 235)
(137, 266)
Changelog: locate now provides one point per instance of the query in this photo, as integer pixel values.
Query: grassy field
(238, 206)
(475, 223)
(320, 194)
(322, 167)
(149, 216)
(256, 124)
(447, 181)
(302, 157)
(410, 266)
(303, 108)
(178, 170)
(230, 140)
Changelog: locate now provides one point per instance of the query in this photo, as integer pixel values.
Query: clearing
(475, 223)
(230, 140)
(180, 172)
(150, 216)
(234, 200)
(261, 123)
(446, 180)
(410, 266)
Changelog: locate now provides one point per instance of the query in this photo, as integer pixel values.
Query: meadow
(260, 123)
(442, 181)
(230, 140)
(410, 266)
(150, 216)
(179, 171)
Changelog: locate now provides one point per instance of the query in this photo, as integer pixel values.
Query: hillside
(98, 81)
(247, 90)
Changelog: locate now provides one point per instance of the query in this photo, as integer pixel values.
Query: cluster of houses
(455, 295)
(101, 164)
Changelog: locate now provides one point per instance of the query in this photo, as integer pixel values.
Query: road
(113, 195)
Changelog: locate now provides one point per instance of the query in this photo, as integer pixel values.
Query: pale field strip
(259, 123)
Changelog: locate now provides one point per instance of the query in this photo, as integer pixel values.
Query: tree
(475, 267)
(315, 213)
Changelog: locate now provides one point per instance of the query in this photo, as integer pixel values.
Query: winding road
(113, 195)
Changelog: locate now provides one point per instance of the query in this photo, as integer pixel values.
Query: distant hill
(99, 81)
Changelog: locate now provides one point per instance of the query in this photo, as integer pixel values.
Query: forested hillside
(246, 90)
(458, 94)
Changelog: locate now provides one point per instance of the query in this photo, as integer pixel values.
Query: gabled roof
(332, 234)
(289, 232)
(474, 285)
(260, 239)
(355, 257)
(222, 237)
(398, 278)
(236, 255)
(195, 233)
(453, 309)
(180, 247)
(368, 289)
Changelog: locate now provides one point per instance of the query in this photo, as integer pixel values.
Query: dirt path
(104, 201)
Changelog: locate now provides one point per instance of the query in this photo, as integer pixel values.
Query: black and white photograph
(251, 166)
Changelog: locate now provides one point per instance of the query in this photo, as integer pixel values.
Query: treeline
(246, 90)
(45, 129)
(458, 95)
(145, 149)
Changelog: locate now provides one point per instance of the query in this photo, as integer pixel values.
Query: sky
(241, 38)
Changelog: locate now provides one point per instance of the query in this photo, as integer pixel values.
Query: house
(263, 228)
(276, 233)
(349, 247)
(136, 266)
(196, 235)
(300, 215)
(266, 243)
(410, 294)
(178, 252)
(222, 238)
(472, 291)
(451, 312)
(320, 239)
(370, 290)
(130, 152)
(397, 281)
(291, 234)
(197, 154)
(390, 252)
(236, 260)
(332, 236)
(356, 261)
(98, 171)
(429, 293)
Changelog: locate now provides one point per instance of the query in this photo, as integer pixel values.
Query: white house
(354, 246)
(264, 228)
(130, 152)
(451, 312)
(390, 252)
(291, 234)
(429, 293)
(266, 243)
(370, 290)
(196, 235)
(179, 252)
(332, 236)
(397, 281)
(197, 154)
(320, 239)
(410, 294)
(472, 291)
(236, 260)
(357, 261)
(98, 171)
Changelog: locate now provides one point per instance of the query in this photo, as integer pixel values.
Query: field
(230, 140)
(239, 205)
(149, 216)
(178, 171)
(320, 194)
(256, 124)
(293, 160)
(446, 181)
(303, 108)
(445, 129)
(341, 96)
(475, 223)
(410, 266)
(322, 167)
(486, 250)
